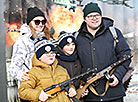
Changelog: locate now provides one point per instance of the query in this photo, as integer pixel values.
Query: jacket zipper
(92, 55)
(51, 69)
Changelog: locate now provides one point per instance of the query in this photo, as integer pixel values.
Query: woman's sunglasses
(37, 22)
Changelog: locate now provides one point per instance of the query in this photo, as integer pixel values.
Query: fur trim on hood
(24, 29)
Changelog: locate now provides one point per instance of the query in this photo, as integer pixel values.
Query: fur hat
(32, 13)
(42, 45)
(65, 38)
(91, 7)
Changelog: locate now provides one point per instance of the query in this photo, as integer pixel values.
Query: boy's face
(48, 58)
(69, 48)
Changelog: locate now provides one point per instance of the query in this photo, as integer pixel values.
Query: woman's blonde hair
(47, 32)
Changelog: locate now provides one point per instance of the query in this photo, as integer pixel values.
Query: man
(95, 45)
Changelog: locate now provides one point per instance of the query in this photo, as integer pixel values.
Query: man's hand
(115, 81)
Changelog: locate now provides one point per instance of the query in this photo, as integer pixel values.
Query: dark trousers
(116, 100)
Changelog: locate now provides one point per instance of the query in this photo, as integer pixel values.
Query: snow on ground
(132, 92)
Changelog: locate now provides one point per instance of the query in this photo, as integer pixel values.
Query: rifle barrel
(59, 87)
(99, 75)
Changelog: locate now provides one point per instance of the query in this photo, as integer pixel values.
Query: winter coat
(23, 51)
(43, 76)
(101, 46)
(71, 64)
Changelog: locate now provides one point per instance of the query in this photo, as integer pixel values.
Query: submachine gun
(65, 86)
(103, 73)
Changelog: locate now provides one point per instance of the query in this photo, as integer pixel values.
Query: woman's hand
(43, 96)
(25, 76)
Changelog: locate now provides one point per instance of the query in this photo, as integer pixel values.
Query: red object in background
(11, 32)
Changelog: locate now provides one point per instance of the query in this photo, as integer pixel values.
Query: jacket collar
(39, 64)
(106, 23)
(62, 56)
(25, 30)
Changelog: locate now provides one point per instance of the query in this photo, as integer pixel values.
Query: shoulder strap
(75, 34)
(113, 32)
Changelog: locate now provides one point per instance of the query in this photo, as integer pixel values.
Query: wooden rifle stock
(88, 82)
(100, 74)
(58, 89)
(54, 90)
(63, 85)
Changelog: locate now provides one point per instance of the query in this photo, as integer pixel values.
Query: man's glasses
(97, 16)
(37, 22)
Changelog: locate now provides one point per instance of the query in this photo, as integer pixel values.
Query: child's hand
(71, 92)
(25, 76)
(85, 92)
(43, 96)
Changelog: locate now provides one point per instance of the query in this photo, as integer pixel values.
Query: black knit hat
(42, 45)
(91, 7)
(65, 38)
(32, 13)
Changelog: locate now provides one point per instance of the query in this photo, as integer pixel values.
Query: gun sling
(106, 87)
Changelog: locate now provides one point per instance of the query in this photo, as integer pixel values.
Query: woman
(23, 49)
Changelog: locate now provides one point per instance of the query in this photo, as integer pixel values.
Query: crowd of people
(38, 63)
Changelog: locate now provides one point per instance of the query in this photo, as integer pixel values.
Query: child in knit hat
(44, 73)
(67, 56)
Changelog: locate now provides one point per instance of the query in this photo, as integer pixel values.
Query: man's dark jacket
(101, 47)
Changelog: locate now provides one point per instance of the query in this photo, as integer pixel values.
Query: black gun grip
(75, 99)
(111, 80)
(108, 77)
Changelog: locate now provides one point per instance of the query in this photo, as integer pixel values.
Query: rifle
(103, 73)
(65, 86)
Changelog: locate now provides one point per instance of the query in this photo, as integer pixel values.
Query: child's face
(48, 58)
(69, 48)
